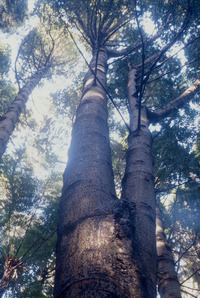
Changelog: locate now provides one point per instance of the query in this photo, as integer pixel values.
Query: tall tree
(100, 237)
(94, 246)
(168, 285)
(37, 57)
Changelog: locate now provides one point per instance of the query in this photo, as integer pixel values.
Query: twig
(173, 70)
(168, 46)
(190, 276)
(185, 251)
(39, 247)
(189, 293)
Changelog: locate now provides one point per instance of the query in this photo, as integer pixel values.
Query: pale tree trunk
(138, 188)
(168, 285)
(95, 233)
(11, 117)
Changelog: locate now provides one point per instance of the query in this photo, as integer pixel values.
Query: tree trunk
(95, 232)
(168, 285)
(11, 117)
(138, 187)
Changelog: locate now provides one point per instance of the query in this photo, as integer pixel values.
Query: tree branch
(156, 116)
(189, 293)
(125, 52)
(190, 276)
(128, 50)
(167, 47)
(173, 70)
(185, 251)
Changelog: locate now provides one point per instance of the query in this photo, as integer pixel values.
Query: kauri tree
(106, 247)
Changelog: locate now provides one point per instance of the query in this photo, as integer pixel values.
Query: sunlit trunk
(168, 285)
(11, 117)
(138, 188)
(94, 255)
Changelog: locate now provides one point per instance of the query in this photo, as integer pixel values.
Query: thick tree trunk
(95, 232)
(11, 117)
(168, 285)
(138, 187)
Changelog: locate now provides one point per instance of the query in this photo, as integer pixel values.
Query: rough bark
(138, 188)
(11, 117)
(168, 285)
(95, 247)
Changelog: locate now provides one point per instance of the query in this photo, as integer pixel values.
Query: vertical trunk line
(95, 247)
(85, 246)
(11, 117)
(138, 188)
(168, 284)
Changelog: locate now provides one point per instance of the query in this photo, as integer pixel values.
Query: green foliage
(45, 48)
(95, 19)
(7, 91)
(181, 218)
(28, 213)
(28, 224)
(12, 13)
(4, 60)
(7, 94)
(172, 156)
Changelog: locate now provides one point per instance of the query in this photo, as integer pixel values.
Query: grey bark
(138, 188)
(11, 117)
(95, 247)
(168, 284)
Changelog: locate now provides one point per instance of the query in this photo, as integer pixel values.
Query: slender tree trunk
(138, 187)
(11, 117)
(168, 285)
(95, 232)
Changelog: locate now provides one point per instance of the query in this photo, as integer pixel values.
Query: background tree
(37, 56)
(29, 216)
(28, 204)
